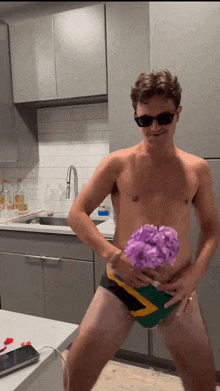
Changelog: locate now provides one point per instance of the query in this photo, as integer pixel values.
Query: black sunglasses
(162, 119)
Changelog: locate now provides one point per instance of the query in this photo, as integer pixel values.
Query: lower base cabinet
(68, 289)
(22, 284)
(158, 349)
(59, 289)
(208, 290)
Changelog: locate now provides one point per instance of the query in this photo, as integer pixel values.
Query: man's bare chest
(158, 184)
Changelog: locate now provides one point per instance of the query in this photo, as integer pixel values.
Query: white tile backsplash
(58, 138)
(77, 135)
(99, 124)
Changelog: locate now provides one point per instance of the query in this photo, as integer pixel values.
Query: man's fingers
(172, 301)
(153, 273)
(140, 282)
(182, 307)
(166, 287)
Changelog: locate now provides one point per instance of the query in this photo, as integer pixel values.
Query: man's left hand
(183, 288)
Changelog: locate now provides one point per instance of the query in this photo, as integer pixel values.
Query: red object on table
(23, 343)
(8, 341)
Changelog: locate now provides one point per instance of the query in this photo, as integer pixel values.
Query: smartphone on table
(18, 358)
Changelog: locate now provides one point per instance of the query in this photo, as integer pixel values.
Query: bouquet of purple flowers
(151, 246)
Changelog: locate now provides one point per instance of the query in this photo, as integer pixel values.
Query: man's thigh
(187, 331)
(107, 319)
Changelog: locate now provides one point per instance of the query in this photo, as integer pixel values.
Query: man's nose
(154, 125)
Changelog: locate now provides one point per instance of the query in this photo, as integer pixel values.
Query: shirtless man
(155, 183)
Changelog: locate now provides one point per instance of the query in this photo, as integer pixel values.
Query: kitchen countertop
(107, 228)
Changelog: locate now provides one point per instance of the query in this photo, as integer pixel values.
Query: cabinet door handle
(42, 258)
(52, 262)
(31, 258)
(52, 259)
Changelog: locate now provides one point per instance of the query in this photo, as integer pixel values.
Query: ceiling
(16, 9)
(11, 5)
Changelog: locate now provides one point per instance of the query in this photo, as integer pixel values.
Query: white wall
(68, 135)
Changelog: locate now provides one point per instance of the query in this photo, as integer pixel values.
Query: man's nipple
(135, 198)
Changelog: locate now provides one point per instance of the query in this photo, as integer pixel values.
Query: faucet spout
(68, 179)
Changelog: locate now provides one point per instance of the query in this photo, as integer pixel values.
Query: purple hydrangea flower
(151, 246)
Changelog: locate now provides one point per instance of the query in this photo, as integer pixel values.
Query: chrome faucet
(68, 178)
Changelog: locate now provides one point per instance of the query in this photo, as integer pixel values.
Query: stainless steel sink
(50, 220)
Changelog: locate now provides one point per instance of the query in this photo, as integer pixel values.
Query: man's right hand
(135, 278)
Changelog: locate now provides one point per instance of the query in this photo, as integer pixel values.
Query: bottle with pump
(18, 196)
(2, 199)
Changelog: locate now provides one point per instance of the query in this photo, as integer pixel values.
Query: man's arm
(207, 215)
(90, 197)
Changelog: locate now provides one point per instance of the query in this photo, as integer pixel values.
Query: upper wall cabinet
(8, 144)
(184, 38)
(128, 53)
(33, 60)
(59, 56)
(80, 52)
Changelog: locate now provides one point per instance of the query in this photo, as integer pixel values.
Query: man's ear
(179, 110)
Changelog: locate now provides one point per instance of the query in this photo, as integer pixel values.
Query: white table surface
(40, 332)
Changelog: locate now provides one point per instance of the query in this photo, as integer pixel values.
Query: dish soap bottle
(19, 197)
(102, 211)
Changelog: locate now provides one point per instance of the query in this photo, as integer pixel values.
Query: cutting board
(20, 214)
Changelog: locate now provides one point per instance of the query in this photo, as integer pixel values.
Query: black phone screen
(17, 358)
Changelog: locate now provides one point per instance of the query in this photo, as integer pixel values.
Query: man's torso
(160, 194)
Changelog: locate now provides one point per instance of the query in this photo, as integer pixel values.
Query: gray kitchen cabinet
(33, 59)
(54, 288)
(138, 339)
(18, 125)
(159, 350)
(128, 54)
(8, 145)
(22, 284)
(55, 280)
(80, 52)
(190, 34)
(68, 289)
(209, 299)
(59, 56)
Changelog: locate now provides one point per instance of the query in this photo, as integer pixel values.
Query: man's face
(156, 133)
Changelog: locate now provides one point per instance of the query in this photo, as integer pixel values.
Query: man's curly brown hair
(153, 83)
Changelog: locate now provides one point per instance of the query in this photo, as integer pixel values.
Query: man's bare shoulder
(191, 160)
(121, 155)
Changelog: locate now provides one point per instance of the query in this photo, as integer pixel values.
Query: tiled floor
(124, 377)
(117, 376)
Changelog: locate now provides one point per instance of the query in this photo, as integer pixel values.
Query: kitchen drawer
(50, 245)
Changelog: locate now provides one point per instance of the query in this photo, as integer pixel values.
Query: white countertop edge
(107, 228)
